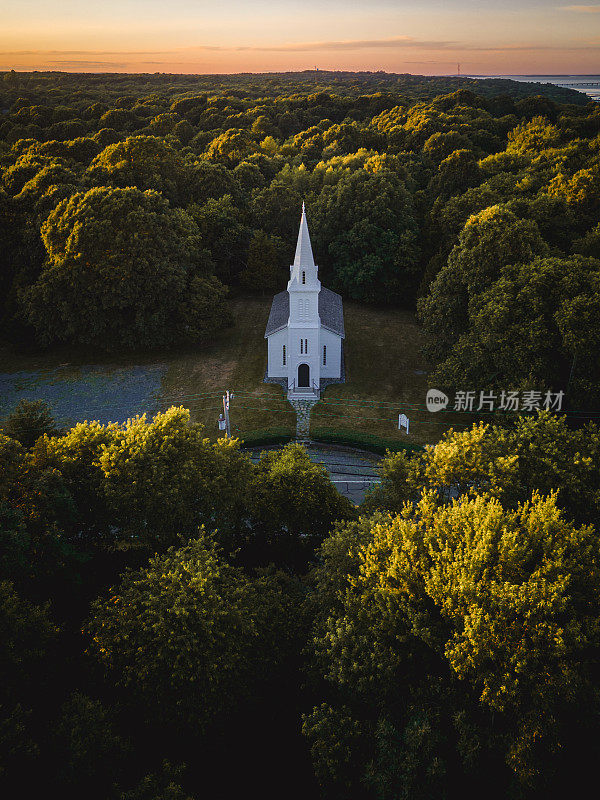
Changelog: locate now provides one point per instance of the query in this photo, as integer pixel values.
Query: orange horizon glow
(513, 37)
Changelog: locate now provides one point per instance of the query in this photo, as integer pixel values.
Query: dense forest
(178, 622)
(131, 205)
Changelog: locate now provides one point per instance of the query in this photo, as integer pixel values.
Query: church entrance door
(303, 375)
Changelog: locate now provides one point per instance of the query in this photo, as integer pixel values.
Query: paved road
(352, 471)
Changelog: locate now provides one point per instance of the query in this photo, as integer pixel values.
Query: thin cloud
(349, 44)
(582, 9)
(80, 63)
(346, 44)
(431, 61)
(396, 42)
(46, 53)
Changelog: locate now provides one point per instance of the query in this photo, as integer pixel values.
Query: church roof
(330, 311)
(280, 313)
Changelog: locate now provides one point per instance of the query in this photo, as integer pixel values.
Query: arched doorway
(303, 375)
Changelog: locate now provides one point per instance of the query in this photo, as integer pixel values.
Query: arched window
(303, 277)
(283, 356)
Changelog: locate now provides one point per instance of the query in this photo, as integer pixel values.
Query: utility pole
(226, 398)
(459, 70)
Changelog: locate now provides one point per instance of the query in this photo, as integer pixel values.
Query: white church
(305, 331)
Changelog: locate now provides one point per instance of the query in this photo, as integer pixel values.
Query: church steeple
(304, 270)
(304, 255)
(305, 328)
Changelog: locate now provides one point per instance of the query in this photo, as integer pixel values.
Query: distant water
(588, 84)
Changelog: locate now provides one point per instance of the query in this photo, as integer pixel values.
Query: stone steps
(303, 407)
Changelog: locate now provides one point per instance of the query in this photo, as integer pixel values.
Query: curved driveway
(352, 471)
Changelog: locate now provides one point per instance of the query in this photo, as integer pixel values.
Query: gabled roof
(331, 312)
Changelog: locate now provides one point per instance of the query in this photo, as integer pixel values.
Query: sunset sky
(418, 36)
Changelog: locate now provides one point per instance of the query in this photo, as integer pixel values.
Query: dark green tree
(263, 271)
(123, 271)
(224, 233)
(30, 420)
(92, 754)
(490, 240)
(27, 659)
(366, 235)
(530, 328)
(164, 785)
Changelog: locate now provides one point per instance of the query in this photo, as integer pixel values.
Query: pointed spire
(304, 255)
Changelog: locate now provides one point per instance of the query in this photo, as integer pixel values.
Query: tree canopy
(465, 618)
(417, 189)
(192, 622)
(123, 270)
(179, 619)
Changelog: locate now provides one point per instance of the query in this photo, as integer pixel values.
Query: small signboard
(403, 422)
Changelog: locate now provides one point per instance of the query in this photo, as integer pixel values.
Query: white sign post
(403, 422)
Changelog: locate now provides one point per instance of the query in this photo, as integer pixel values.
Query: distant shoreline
(587, 84)
(540, 75)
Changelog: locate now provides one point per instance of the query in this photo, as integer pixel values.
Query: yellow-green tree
(485, 617)
(147, 162)
(163, 478)
(536, 453)
(191, 637)
(292, 495)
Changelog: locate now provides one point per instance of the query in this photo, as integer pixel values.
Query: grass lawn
(385, 373)
(237, 360)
